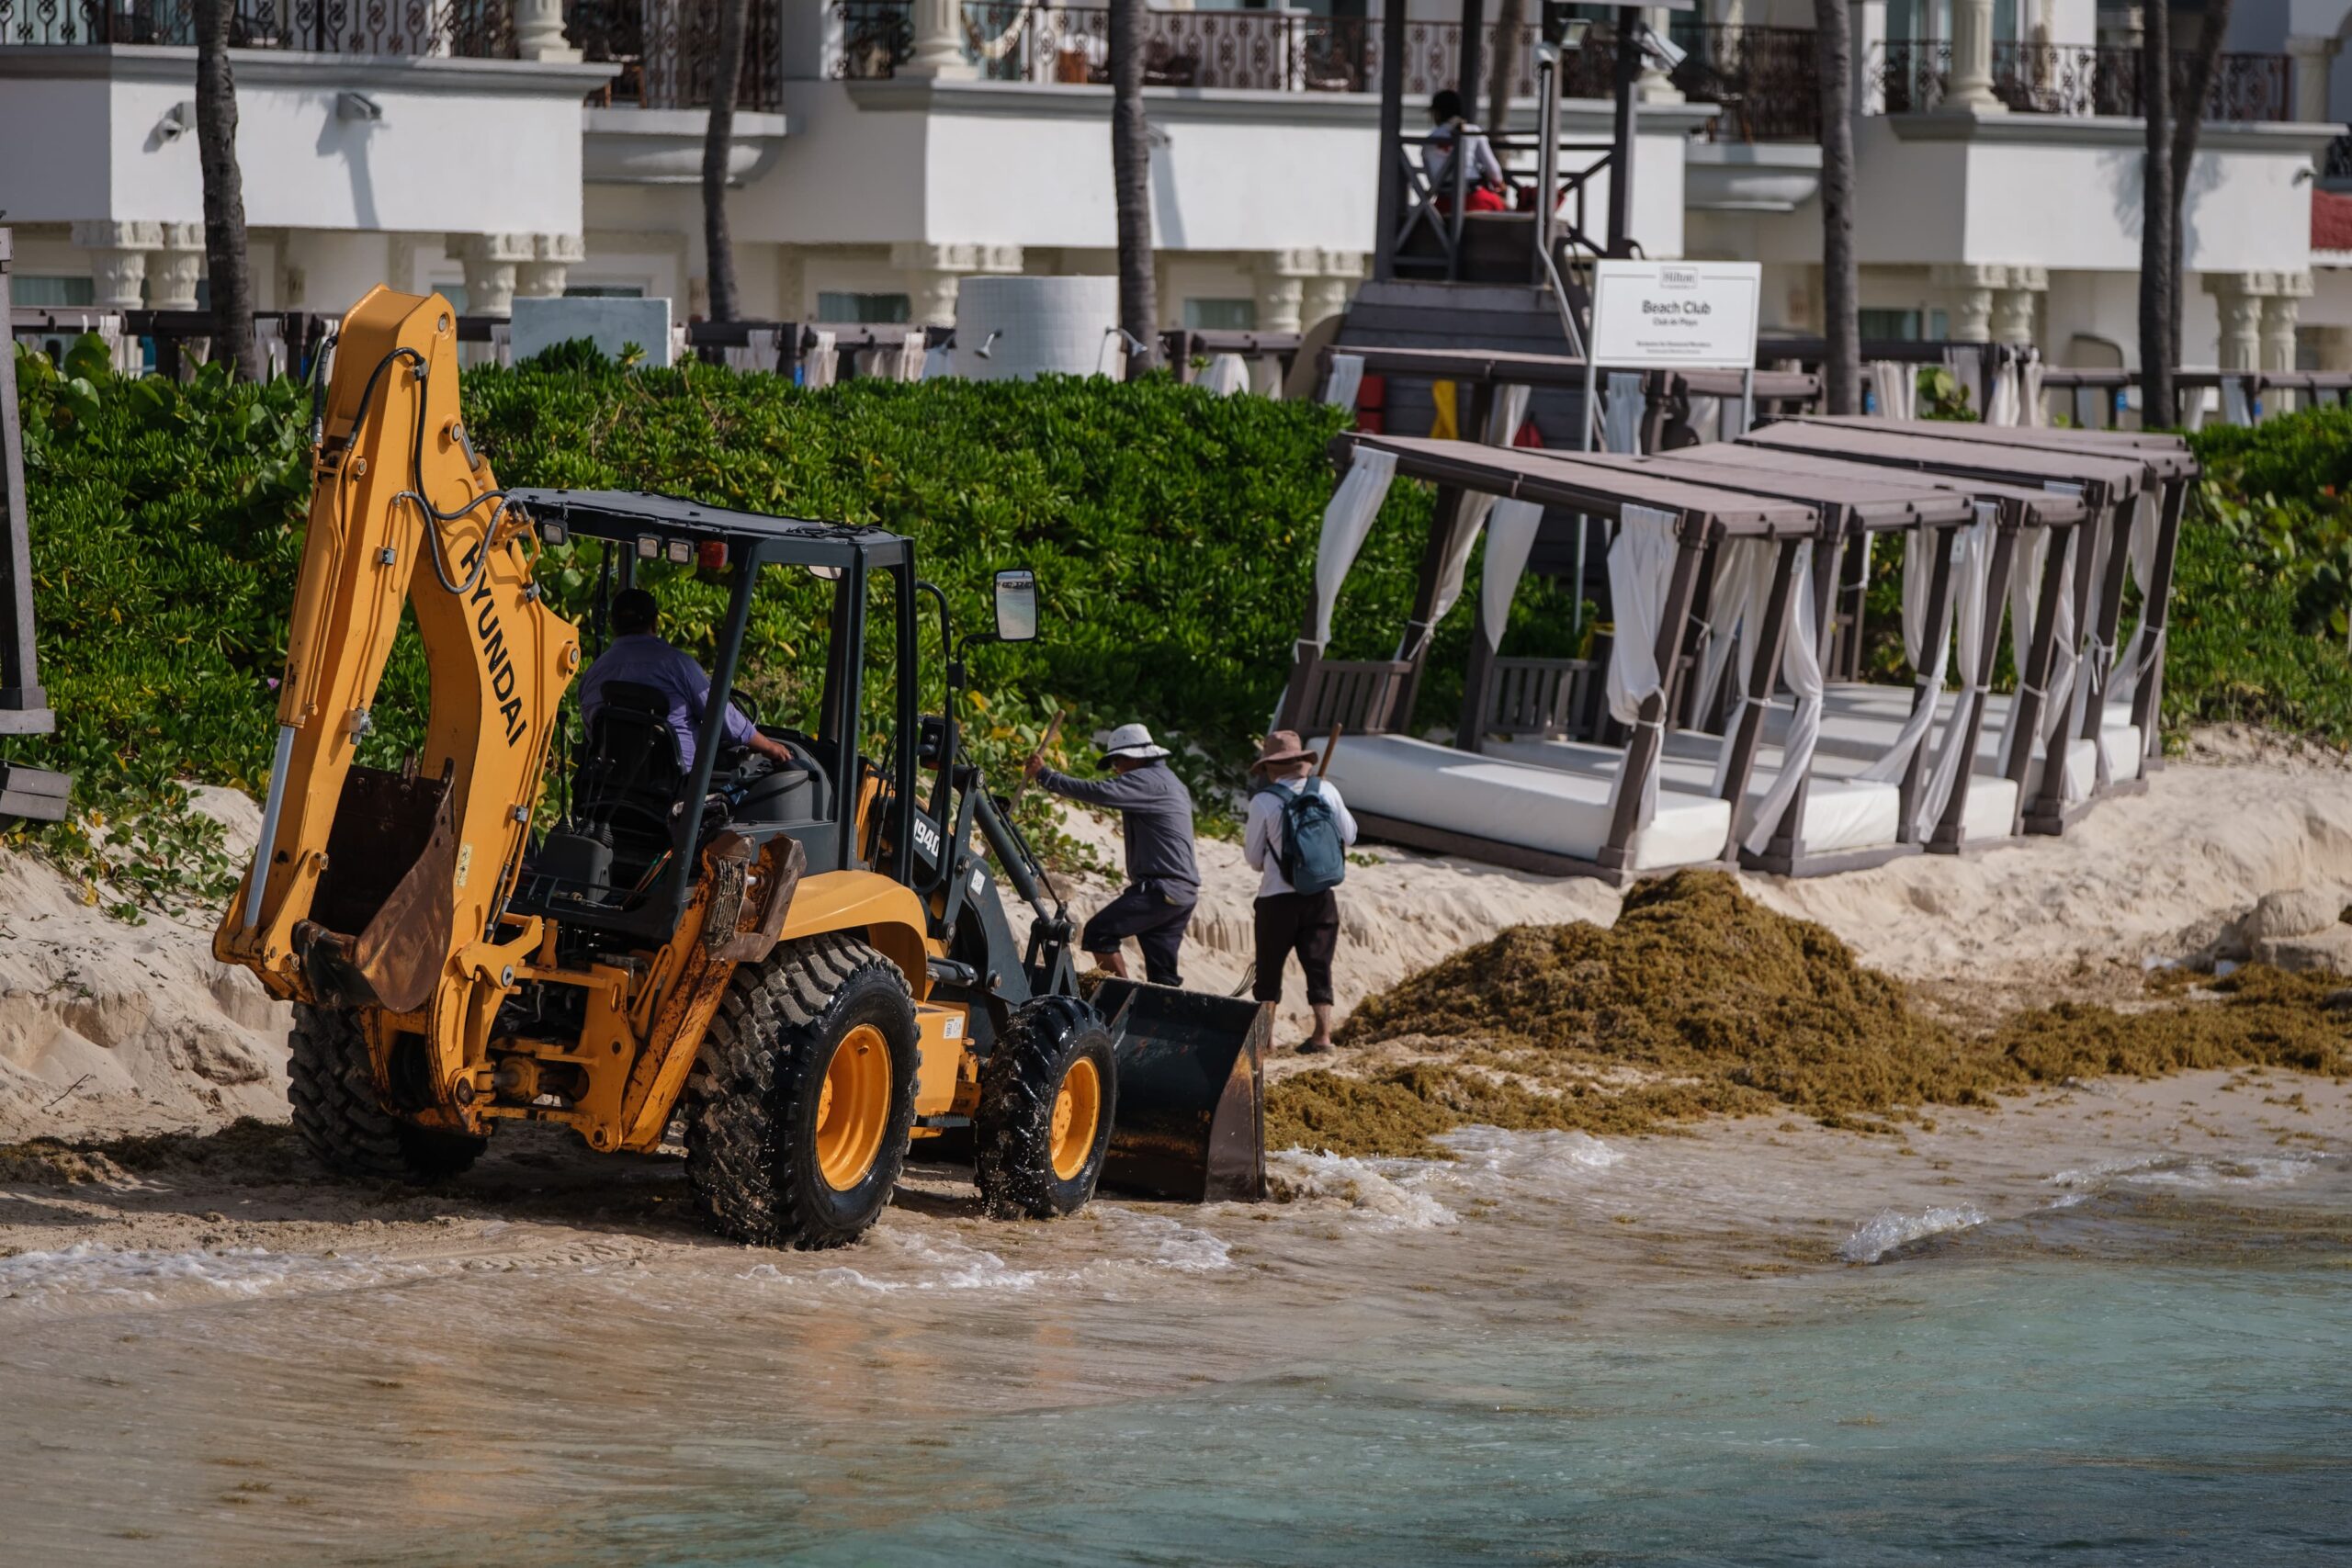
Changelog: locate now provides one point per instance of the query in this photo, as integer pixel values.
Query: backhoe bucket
(1191, 1121)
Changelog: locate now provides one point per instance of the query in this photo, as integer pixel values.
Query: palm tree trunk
(2189, 118)
(1510, 18)
(225, 260)
(717, 143)
(1130, 185)
(1841, 288)
(2159, 290)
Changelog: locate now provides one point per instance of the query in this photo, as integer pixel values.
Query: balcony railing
(665, 49)
(474, 29)
(1766, 79)
(1006, 40)
(2084, 79)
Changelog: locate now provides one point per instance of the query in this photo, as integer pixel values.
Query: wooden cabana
(2109, 756)
(1815, 815)
(1437, 797)
(2170, 467)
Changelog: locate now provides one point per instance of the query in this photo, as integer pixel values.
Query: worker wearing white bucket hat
(1163, 880)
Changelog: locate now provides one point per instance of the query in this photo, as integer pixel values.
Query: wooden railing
(1362, 694)
(1549, 698)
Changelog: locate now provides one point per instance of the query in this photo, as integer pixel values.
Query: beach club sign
(1675, 315)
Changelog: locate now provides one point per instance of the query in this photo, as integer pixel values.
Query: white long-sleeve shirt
(1262, 835)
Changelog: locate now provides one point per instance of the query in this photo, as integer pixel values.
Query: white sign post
(1667, 315)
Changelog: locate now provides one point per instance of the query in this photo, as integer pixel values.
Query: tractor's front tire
(1049, 1095)
(803, 1095)
(332, 1086)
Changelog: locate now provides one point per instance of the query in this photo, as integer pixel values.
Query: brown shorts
(1304, 923)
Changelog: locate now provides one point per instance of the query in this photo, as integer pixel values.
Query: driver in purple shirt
(639, 653)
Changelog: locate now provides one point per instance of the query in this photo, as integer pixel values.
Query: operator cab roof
(631, 515)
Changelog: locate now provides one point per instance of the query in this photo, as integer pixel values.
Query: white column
(2237, 299)
(2279, 309)
(935, 275)
(1972, 59)
(490, 262)
(118, 260)
(1281, 287)
(2014, 305)
(2314, 59)
(177, 267)
(550, 266)
(1970, 288)
(1326, 294)
(939, 42)
(539, 32)
(1654, 86)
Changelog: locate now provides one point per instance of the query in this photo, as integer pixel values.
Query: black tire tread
(747, 1070)
(330, 1085)
(1013, 1163)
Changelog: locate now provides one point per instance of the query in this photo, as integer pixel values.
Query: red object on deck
(1372, 404)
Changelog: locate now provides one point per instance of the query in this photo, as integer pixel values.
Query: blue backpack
(1313, 858)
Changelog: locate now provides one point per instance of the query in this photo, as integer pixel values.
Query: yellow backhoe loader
(808, 963)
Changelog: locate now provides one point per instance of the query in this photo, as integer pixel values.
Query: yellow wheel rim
(1078, 1112)
(853, 1107)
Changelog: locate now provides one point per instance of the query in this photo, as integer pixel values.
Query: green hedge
(1173, 533)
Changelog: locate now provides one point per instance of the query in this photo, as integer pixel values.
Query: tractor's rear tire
(332, 1086)
(803, 1095)
(1048, 1096)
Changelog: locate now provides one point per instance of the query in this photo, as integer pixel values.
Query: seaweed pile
(1699, 1001)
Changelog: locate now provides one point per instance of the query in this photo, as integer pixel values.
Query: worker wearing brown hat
(1295, 839)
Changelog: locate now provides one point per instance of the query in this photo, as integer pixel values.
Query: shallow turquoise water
(2145, 1368)
(1946, 1409)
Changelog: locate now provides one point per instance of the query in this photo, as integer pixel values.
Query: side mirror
(1016, 606)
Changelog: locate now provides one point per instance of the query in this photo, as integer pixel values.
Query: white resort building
(886, 150)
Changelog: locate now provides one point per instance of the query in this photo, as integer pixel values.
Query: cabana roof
(1505, 367)
(1582, 484)
(2117, 478)
(1866, 501)
(2167, 455)
(2036, 507)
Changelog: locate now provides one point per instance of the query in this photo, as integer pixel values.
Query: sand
(107, 1028)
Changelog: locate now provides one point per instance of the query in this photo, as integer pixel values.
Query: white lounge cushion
(1839, 814)
(1555, 810)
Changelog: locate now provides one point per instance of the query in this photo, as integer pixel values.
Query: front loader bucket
(1191, 1121)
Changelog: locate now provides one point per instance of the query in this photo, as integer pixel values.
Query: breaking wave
(1887, 1230)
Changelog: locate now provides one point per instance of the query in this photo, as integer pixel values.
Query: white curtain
(2024, 591)
(2137, 656)
(2192, 409)
(818, 366)
(1621, 416)
(761, 350)
(913, 350)
(1728, 623)
(1896, 389)
(1266, 377)
(1346, 521)
(1641, 564)
(1226, 375)
(939, 364)
(1967, 369)
(1743, 598)
(1346, 380)
(1510, 535)
(1928, 652)
(2002, 398)
(1504, 417)
(2237, 407)
(2036, 413)
(1973, 572)
(1801, 668)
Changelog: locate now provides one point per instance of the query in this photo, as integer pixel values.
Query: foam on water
(894, 1261)
(136, 1276)
(1888, 1229)
(1372, 1187)
(2195, 1173)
